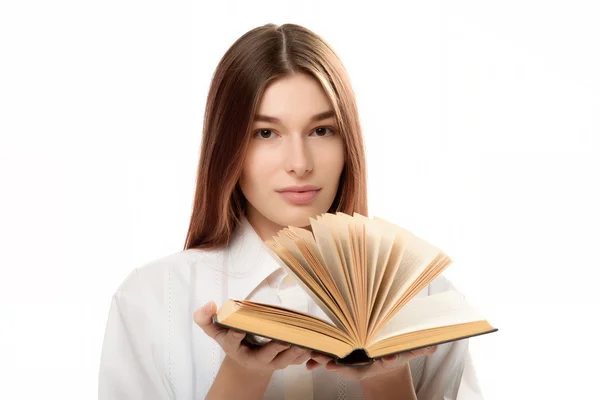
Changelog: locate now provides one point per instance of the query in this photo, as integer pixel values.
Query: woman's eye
(264, 133)
(322, 131)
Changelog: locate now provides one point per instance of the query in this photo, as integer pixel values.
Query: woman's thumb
(203, 315)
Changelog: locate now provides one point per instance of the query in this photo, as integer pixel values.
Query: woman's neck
(264, 227)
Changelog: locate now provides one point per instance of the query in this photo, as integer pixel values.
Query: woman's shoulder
(151, 278)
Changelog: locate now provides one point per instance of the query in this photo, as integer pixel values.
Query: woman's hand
(266, 359)
(381, 367)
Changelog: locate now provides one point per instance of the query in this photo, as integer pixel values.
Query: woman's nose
(297, 157)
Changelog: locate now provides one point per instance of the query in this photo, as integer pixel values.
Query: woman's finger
(332, 366)
(427, 351)
(382, 365)
(269, 351)
(320, 358)
(203, 318)
(409, 355)
(390, 362)
(231, 341)
(349, 372)
(286, 357)
(302, 358)
(312, 364)
(398, 359)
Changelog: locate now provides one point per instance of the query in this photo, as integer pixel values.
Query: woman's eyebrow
(317, 117)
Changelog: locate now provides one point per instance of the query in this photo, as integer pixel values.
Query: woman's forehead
(294, 98)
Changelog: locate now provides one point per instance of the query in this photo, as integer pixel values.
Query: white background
(482, 127)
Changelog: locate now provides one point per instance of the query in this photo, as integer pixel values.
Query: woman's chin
(300, 217)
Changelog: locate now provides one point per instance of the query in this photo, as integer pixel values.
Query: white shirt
(153, 349)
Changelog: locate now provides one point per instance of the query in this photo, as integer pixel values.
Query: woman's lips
(300, 197)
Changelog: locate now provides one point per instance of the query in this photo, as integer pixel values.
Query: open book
(364, 274)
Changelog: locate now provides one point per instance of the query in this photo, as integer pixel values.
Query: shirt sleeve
(469, 386)
(449, 373)
(132, 363)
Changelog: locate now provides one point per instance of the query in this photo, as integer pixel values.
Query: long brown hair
(255, 60)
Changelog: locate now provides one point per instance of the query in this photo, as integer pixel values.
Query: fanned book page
(364, 274)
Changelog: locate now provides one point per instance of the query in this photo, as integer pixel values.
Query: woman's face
(289, 151)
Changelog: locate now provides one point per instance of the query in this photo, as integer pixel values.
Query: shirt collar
(248, 261)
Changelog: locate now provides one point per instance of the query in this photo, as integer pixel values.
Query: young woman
(281, 143)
